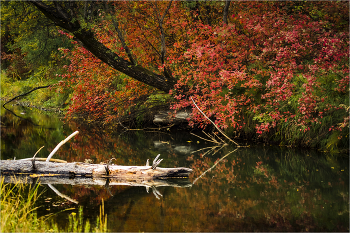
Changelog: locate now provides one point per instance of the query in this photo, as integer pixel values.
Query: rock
(167, 117)
(183, 149)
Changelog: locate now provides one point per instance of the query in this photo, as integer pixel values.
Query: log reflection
(99, 181)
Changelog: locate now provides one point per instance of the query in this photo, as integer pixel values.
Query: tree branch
(138, 24)
(214, 123)
(121, 37)
(227, 5)
(167, 72)
(25, 94)
(162, 35)
(87, 38)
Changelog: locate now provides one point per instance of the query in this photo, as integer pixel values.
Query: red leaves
(275, 66)
(255, 64)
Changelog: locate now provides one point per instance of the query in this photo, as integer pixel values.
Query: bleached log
(78, 169)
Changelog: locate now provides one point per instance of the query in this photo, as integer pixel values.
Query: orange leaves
(99, 92)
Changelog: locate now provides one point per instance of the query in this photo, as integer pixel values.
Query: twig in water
(214, 123)
(211, 137)
(218, 149)
(215, 134)
(60, 144)
(209, 151)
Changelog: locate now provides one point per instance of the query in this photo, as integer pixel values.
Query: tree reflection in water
(261, 188)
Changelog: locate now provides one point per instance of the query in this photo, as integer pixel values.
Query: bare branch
(214, 123)
(160, 23)
(60, 144)
(25, 94)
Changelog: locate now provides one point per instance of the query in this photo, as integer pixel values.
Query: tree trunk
(225, 15)
(62, 18)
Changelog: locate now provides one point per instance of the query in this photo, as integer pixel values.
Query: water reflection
(252, 189)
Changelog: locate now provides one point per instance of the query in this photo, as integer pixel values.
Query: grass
(18, 213)
(17, 209)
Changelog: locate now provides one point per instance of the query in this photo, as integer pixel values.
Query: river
(255, 188)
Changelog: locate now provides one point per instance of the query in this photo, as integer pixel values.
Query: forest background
(271, 71)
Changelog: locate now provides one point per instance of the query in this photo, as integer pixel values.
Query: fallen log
(79, 169)
(37, 167)
(54, 171)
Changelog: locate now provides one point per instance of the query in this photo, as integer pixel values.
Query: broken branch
(214, 123)
(60, 144)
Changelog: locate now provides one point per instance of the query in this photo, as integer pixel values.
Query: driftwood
(52, 171)
(33, 171)
(78, 169)
(34, 167)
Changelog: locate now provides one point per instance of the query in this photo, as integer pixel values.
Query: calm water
(260, 188)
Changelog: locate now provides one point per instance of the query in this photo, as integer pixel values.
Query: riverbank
(29, 104)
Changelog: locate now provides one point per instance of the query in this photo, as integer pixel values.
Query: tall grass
(18, 209)
(18, 213)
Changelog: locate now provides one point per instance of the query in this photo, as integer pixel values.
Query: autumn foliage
(277, 70)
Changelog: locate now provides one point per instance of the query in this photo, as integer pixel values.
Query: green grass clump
(18, 209)
(18, 213)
